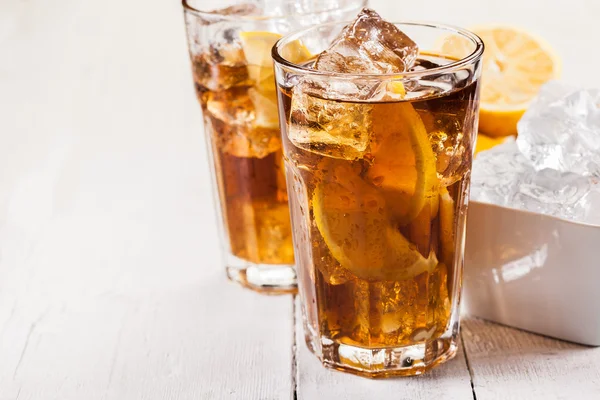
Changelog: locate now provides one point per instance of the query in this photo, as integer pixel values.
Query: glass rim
(211, 14)
(470, 59)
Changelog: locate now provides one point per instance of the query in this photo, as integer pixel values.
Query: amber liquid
(248, 163)
(377, 256)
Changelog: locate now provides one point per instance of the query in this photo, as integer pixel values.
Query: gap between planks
(294, 395)
(464, 350)
(508, 363)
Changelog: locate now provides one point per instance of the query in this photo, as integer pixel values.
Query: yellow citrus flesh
(352, 219)
(447, 226)
(404, 164)
(420, 229)
(485, 142)
(395, 90)
(265, 109)
(515, 65)
(257, 50)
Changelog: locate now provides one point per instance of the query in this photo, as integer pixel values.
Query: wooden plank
(512, 364)
(110, 280)
(204, 339)
(313, 381)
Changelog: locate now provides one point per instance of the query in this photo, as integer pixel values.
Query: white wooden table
(110, 284)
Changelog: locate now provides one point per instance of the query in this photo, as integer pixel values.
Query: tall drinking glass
(378, 170)
(230, 48)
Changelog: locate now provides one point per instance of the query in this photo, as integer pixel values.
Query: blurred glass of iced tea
(230, 48)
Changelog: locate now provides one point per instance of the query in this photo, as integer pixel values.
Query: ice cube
(327, 127)
(242, 126)
(563, 194)
(369, 45)
(504, 176)
(332, 271)
(234, 107)
(217, 57)
(318, 122)
(561, 130)
(220, 67)
(239, 10)
(401, 310)
(227, 32)
(497, 174)
(273, 232)
(593, 216)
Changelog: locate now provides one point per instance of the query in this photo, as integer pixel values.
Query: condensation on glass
(378, 168)
(230, 44)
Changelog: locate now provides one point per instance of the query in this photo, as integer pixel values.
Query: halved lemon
(515, 64)
(351, 216)
(257, 49)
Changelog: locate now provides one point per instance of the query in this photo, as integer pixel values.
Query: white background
(110, 282)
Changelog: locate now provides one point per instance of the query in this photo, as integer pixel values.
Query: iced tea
(230, 48)
(243, 127)
(381, 226)
(378, 192)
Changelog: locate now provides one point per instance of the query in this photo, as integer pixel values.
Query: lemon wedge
(257, 50)
(257, 47)
(351, 216)
(265, 108)
(404, 164)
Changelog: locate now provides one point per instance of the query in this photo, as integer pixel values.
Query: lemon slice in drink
(351, 216)
(404, 164)
(265, 108)
(447, 226)
(515, 64)
(257, 49)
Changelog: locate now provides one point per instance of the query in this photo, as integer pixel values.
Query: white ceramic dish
(534, 272)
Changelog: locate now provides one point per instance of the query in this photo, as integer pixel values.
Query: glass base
(384, 362)
(264, 278)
